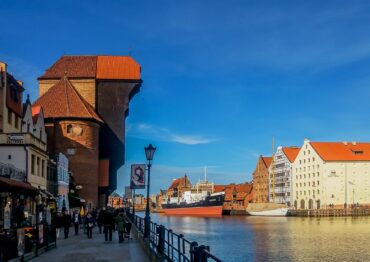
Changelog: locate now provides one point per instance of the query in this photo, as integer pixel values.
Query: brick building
(237, 197)
(85, 100)
(261, 180)
(178, 186)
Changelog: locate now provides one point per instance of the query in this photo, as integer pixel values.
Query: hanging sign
(137, 176)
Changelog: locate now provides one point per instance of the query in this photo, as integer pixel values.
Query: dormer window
(69, 129)
(357, 152)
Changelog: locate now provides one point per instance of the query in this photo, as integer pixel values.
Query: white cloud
(144, 130)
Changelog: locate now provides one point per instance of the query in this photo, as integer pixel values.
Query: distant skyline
(220, 78)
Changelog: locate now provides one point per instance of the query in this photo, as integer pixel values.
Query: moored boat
(195, 204)
(267, 209)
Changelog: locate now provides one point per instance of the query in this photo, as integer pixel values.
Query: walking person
(58, 223)
(108, 222)
(89, 221)
(120, 226)
(66, 223)
(76, 221)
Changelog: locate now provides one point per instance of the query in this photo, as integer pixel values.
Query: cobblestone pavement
(80, 248)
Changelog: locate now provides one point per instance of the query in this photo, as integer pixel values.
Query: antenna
(205, 174)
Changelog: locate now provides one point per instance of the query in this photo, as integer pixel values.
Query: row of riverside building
(317, 175)
(65, 148)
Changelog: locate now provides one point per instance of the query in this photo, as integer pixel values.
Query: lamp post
(149, 153)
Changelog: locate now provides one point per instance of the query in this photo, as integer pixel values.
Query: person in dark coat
(58, 223)
(108, 222)
(76, 221)
(120, 226)
(89, 221)
(66, 223)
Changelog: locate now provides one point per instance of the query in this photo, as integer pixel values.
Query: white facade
(280, 177)
(323, 184)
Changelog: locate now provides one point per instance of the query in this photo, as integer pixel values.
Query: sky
(220, 78)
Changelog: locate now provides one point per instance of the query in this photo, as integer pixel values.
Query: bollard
(161, 238)
(193, 247)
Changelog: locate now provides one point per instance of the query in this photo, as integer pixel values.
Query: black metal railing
(172, 246)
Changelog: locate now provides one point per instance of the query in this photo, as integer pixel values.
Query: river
(246, 238)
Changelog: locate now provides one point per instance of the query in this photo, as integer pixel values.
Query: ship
(197, 200)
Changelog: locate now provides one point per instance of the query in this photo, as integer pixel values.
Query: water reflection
(277, 239)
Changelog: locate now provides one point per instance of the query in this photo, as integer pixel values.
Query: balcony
(22, 139)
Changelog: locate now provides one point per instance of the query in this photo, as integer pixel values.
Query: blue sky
(221, 78)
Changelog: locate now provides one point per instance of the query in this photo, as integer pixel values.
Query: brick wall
(85, 87)
(82, 148)
(260, 183)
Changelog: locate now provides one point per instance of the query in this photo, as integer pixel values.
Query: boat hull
(194, 211)
(273, 212)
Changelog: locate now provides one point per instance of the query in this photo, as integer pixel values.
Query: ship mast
(272, 171)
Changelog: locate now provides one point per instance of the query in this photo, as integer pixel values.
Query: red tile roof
(117, 67)
(342, 151)
(242, 190)
(63, 101)
(182, 181)
(291, 152)
(99, 67)
(266, 160)
(73, 67)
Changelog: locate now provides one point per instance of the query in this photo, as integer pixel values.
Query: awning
(11, 185)
(47, 194)
(76, 201)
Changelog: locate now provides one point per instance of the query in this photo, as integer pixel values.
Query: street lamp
(149, 153)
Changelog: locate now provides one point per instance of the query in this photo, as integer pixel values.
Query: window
(32, 164)
(313, 183)
(318, 174)
(28, 127)
(10, 117)
(318, 182)
(308, 183)
(38, 166)
(318, 191)
(313, 159)
(42, 168)
(16, 121)
(300, 161)
(40, 133)
(69, 129)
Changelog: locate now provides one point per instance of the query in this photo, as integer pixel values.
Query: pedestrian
(58, 223)
(120, 226)
(89, 222)
(66, 223)
(108, 222)
(76, 221)
(100, 219)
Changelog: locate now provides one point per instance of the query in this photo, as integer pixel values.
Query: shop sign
(16, 139)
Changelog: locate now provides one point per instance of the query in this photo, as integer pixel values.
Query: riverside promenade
(80, 248)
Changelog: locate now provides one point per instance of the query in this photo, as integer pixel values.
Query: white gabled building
(280, 175)
(23, 153)
(331, 174)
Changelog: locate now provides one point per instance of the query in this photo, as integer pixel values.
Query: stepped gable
(342, 151)
(98, 67)
(63, 101)
(291, 152)
(72, 67)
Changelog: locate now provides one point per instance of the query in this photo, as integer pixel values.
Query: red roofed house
(178, 186)
(331, 175)
(237, 197)
(261, 180)
(86, 100)
(281, 175)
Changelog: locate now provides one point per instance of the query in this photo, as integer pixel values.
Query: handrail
(171, 246)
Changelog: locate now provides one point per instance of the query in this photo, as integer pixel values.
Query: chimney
(20, 82)
(3, 66)
(345, 143)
